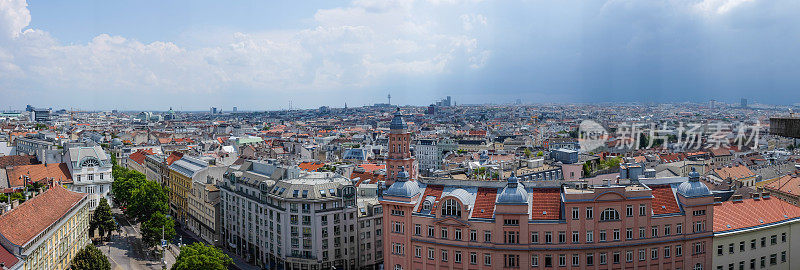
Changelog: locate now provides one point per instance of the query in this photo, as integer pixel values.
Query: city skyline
(261, 56)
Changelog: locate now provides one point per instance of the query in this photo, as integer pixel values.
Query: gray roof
(310, 186)
(76, 154)
(402, 187)
(188, 166)
(513, 193)
(397, 121)
(693, 188)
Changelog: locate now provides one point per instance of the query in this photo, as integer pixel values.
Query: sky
(266, 55)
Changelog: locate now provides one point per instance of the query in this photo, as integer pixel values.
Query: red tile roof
(37, 214)
(7, 259)
(37, 173)
(789, 184)
(734, 172)
(174, 156)
(546, 204)
(17, 160)
(310, 166)
(372, 167)
(432, 190)
(368, 177)
(664, 201)
(674, 157)
(484, 203)
(750, 213)
(138, 157)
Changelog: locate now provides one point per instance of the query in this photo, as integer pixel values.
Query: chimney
(736, 198)
(756, 196)
(765, 195)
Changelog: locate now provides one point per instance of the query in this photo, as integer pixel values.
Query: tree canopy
(147, 199)
(152, 229)
(201, 256)
(90, 258)
(102, 219)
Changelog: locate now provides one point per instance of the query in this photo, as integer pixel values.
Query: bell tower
(399, 150)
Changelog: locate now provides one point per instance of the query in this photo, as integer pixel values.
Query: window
(667, 252)
(398, 267)
(473, 258)
(535, 260)
(615, 258)
(443, 234)
(487, 236)
(629, 210)
(575, 211)
(753, 244)
(548, 260)
(741, 246)
(535, 237)
(773, 240)
(641, 255)
(511, 222)
(783, 237)
(473, 235)
(590, 259)
(575, 237)
(562, 260)
(548, 237)
(730, 248)
(654, 231)
(763, 241)
(602, 235)
(417, 229)
(457, 256)
(589, 213)
(679, 228)
(431, 253)
(487, 259)
(562, 237)
(628, 256)
(629, 233)
(444, 255)
(609, 214)
(511, 237)
(457, 234)
(666, 230)
(418, 251)
(451, 208)
(511, 260)
(654, 253)
(397, 227)
(678, 250)
(641, 233)
(698, 266)
(431, 231)
(642, 209)
(589, 236)
(576, 259)
(616, 234)
(783, 256)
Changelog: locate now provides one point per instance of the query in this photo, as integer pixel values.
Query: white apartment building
(90, 168)
(282, 218)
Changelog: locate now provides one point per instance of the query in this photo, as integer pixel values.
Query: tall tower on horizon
(390, 99)
(399, 150)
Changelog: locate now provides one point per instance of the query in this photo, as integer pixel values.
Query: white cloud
(719, 6)
(354, 46)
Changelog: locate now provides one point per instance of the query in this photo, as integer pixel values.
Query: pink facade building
(453, 224)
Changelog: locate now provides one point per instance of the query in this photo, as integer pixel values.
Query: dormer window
(90, 163)
(451, 208)
(426, 206)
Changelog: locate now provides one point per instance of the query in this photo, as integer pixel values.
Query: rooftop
(37, 214)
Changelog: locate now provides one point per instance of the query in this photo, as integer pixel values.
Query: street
(126, 251)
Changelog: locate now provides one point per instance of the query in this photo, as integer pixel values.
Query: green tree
(146, 200)
(528, 153)
(125, 182)
(90, 258)
(152, 229)
(201, 256)
(102, 219)
(539, 154)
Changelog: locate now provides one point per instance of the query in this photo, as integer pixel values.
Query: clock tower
(399, 150)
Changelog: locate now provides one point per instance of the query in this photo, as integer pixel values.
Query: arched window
(91, 162)
(609, 214)
(426, 205)
(451, 208)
